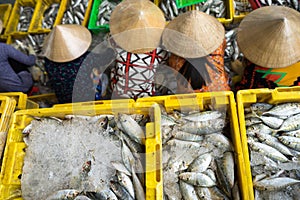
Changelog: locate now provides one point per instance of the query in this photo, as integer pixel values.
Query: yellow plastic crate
(7, 107)
(64, 7)
(11, 170)
(37, 17)
(199, 101)
(49, 98)
(247, 97)
(21, 99)
(229, 10)
(5, 11)
(13, 21)
(240, 17)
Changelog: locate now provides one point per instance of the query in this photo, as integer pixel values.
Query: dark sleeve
(19, 56)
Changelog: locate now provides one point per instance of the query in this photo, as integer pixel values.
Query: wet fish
(108, 194)
(64, 194)
(119, 166)
(273, 142)
(201, 163)
(295, 133)
(197, 179)
(270, 121)
(267, 151)
(188, 191)
(132, 128)
(275, 183)
(220, 141)
(203, 116)
(252, 120)
(126, 182)
(292, 142)
(120, 191)
(204, 127)
(181, 135)
(138, 187)
(284, 110)
(290, 124)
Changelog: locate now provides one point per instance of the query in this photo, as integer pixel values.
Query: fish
(82, 197)
(126, 182)
(262, 128)
(64, 194)
(119, 166)
(267, 151)
(138, 187)
(273, 142)
(209, 172)
(292, 142)
(197, 179)
(220, 141)
(120, 191)
(284, 110)
(188, 191)
(203, 193)
(201, 163)
(252, 120)
(290, 124)
(270, 121)
(203, 116)
(181, 135)
(204, 127)
(107, 194)
(274, 183)
(166, 120)
(295, 133)
(132, 128)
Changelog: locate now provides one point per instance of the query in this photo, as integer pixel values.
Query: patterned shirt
(260, 77)
(10, 81)
(133, 75)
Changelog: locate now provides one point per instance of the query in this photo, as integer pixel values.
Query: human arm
(19, 56)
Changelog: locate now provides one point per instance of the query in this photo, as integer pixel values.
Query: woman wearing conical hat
(12, 80)
(269, 38)
(136, 27)
(70, 64)
(196, 41)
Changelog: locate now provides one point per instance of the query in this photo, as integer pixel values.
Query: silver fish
(125, 181)
(267, 151)
(203, 116)
(188, 191)
(284, 110)
(291, 123)
(132, 128)
(119, 166)
(120, 191)
(295, 133)
(275, 183)
(204, 127)
(272, 122)
(108, 194)
(220, 141)
(138, 187)
(292, 142)
(197, 179)
(201, 163)
(273, 142)
(63, 194)
(181, 135)
(252, 120)
(203, 193)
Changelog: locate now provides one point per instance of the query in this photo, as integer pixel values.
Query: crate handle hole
(20, 176)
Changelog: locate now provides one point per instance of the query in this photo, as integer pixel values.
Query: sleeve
(19, 56)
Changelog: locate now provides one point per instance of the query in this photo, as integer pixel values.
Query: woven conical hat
(193, 34)
(270, 36)
(136, 25)
(66, 42)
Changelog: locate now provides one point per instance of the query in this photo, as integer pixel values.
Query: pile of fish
(75, 12)
(241, 6)
(26, 13)
(289, 3)
(35, 41)
(198, 159)
(104, 11)
(50, 16)
(232, 51)
(113, 169)
(273, 133)
(216, 8)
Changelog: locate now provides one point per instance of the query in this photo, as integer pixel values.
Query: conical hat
(270, 36)
(136, 25)
(66, 42)
(193, 34)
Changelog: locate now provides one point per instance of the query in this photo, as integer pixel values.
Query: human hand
(31, 50)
